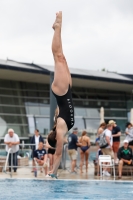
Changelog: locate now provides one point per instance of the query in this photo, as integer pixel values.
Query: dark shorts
(32, 154)
(131, 143)
(51, 151)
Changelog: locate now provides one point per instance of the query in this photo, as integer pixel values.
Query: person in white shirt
(12, 141)
(35, 142)
(129, 134)
(108, 150)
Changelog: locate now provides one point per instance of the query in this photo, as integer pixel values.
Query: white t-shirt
(129, 136)
(109, 134)
(37, 141)
(15, 138)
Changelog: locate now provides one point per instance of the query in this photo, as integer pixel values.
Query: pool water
(11, 189)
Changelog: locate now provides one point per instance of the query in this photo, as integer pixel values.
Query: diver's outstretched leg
(62, 77)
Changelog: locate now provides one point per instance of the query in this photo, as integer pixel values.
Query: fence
(24, 161)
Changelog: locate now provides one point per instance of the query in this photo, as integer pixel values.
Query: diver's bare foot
(58, 20)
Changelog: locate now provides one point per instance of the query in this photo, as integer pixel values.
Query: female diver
(61, 88)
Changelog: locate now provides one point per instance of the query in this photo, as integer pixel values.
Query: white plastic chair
(103, 159)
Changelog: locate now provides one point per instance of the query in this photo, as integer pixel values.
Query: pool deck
(25, 173)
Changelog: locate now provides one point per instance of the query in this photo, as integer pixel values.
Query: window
(44, 110)
(80, 112)
(43, 124)
(115, 113)
(31, 123)
(34, 110)
(92, 125)
(14, 119)
(13, 110)
(79, 123)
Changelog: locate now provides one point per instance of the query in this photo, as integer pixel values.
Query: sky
(96, 34)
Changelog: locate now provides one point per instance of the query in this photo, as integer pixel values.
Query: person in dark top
(51, 152)
(40, 156)
(125, 156)
(72, 148)
(61, 88)
(116, 133)
(35, 142)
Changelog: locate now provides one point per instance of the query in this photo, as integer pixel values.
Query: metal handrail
(4, 169)
(62, 164)
(7, 159)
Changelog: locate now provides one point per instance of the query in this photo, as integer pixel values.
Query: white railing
(5, 168)
(28, 154)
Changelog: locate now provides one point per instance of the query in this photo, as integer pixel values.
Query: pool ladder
(5, 167)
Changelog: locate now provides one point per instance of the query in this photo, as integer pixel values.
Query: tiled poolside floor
(25, 173)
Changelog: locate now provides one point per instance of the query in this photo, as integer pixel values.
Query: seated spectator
(40, 156)
(84, 152)
(125, 156)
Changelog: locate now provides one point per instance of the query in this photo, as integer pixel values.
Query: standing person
(51, 152)
(125, 156)
(129, 134)
(84, 150)
(12, 141)
(108, 150)
(100, 130)
(61, 88)
(72, 149)
(35, 142)
(116, 133)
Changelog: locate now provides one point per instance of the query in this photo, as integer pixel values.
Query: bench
(24, 161)
(2, 162)
(126, 171)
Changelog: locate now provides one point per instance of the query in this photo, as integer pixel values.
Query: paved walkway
(25, 173)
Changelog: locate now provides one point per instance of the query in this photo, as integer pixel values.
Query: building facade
(25, 98)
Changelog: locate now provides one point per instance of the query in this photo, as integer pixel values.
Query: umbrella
(131, 116)
(101, 115)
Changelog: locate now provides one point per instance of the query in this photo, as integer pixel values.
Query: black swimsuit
(66, 109)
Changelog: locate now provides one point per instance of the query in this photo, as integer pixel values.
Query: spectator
(108, 150)
(12, 141)
(96, 161)
(40, 155)
(72, 148)
(125, 156)
(129, 134)
(51, 152)
(116, 133)
(100, 130)
(84, 152)
(35, 142)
